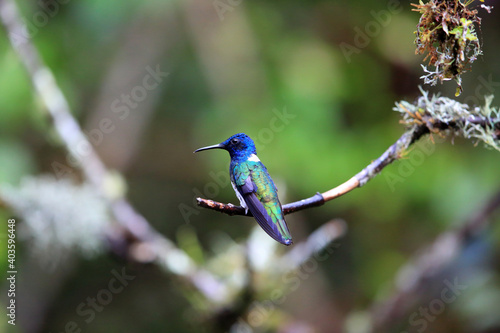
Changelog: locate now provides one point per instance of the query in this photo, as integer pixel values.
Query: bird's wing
(248, 190)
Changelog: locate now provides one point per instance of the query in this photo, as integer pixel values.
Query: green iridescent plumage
(266, 192)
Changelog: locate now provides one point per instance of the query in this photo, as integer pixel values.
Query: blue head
(239, 146)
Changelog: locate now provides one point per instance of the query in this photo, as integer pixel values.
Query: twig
(390, 155)
(45, 84)
(160, 249)
(316, 242)
(423, 124)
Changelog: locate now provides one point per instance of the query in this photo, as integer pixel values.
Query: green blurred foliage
(242, 74)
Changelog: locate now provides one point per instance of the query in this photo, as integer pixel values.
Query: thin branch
(316, 242)
(421, 123)
(148, 243)
(393, 153)
(45, 85)
(230, 209)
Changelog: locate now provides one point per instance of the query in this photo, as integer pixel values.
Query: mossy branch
(446, 34)
(437, 115)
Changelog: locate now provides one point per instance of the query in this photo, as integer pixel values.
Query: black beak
(219, 146)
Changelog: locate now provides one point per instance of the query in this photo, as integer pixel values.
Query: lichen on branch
(436, 114)
(445, 116)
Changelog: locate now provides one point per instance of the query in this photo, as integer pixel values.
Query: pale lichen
(58, 216)
(445, 116)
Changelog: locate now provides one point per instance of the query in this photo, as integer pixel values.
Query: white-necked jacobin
(254, 187)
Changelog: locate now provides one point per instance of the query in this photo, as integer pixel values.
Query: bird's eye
(235, 141)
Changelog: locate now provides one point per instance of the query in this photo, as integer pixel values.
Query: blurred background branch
(434, 263)
(157, 247)
(143, 83)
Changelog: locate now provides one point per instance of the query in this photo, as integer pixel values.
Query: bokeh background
(315, 89)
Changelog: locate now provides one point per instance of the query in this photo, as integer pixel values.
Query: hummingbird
(254, 187)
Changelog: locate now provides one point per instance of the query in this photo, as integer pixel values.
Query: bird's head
(239, 146)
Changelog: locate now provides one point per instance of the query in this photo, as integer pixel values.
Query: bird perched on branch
(254, 187)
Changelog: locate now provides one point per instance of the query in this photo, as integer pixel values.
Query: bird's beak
(219, 146)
